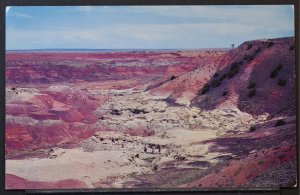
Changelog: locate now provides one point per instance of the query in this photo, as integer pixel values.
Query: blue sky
(138, 27)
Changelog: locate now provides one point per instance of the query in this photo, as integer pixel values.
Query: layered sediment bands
(60, 67)
(152, 119)
(15, 182)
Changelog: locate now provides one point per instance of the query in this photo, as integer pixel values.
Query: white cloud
(17, 14)
(21, 15)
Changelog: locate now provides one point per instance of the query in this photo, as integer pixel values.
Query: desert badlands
(152, 119)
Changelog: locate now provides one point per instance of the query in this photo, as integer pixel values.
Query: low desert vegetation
(173, 77)
(224, 93)
(260, 162)
(275, 72)
(216, 83)
(252, 92)
(251, 85)
(257, 51)
(234, 66)
(248, 58)
(223, 76)
(234, 69)
(249, 46)
(216, 75)
(270, 44)
(280, 122)
(281, 82)
(205, 89)
(252, 128)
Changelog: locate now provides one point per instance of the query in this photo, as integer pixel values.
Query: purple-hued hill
(152, 119)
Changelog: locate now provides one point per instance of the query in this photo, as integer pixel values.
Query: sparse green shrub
(205, 89)
(233, 72)
(250, 58)
(280, 122)
(223, 76)
(251, 85)
(252, 92)
(292, 47)
(249, 46)
(260, 162)
(234, 66)
(224, 93)
(240, 62)
(216, 75)
(252, 128)
(257, 51)
(246, 57)
(234, 69)
(270, 44)
(275, 72)
(172, 77)
(281, 82)
(216, 83)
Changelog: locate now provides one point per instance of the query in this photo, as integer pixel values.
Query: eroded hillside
(179, 119)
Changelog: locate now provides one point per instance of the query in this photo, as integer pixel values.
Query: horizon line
(131, 49)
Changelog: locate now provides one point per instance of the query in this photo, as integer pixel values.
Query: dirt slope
(232, 74)
(260, 80)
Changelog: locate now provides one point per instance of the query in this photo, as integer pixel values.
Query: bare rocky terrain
(180, 119)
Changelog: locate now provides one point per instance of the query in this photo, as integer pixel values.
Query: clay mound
(260, 80)
(68, 116)
(80, 100)
(23, 101)
(15, 182)
(31, 134)
(33, 115)
(44, 116)
(42, 107)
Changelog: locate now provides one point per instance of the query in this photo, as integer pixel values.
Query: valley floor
(186, 147)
